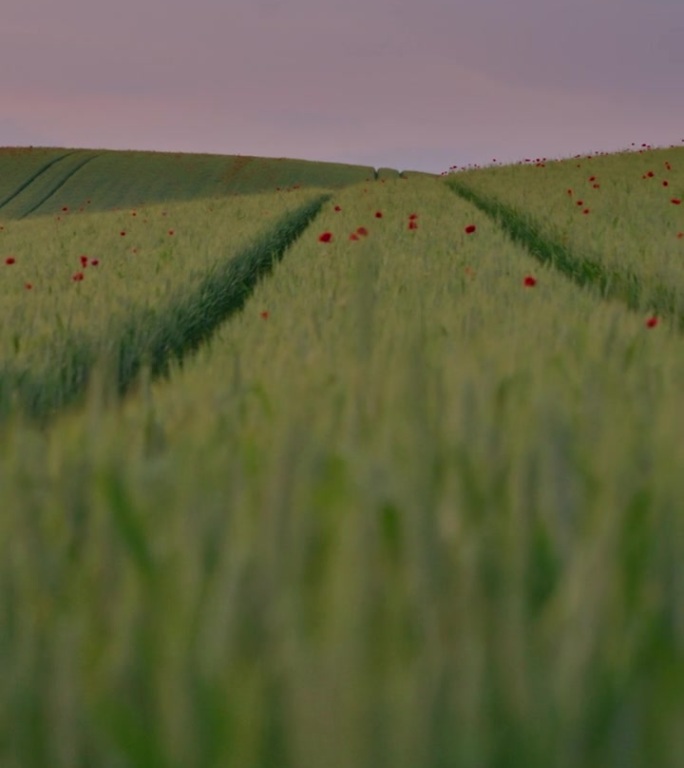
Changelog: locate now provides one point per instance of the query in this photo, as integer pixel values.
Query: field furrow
(43, 168)
(48, 358)
(609, 223)
(57, 185)
(612, 282)
(41, 187)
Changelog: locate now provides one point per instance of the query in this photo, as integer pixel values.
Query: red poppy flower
(470, 229)
(666, 183)
(569, 191)
(122, 233)
(77, 277)
(530, 281)
(413, 224)
(28, 286)
(579, 202)
(337, 208)
(586, 210)
(378, 214)
(362, 231)
(596, 186)
(65, 208)
(170, 231)
(10, 260)
(676, 201)
(326, 237)
(652, 322)
(264, 314)
(84, 261)
(353, 236)
(592, 178)
(94, 262)
(649, 174)
(413, 216)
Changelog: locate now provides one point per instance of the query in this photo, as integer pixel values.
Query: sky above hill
(408, 85)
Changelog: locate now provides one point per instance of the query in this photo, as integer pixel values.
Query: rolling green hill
(40, 181)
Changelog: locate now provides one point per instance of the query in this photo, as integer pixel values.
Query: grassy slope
(130, 178)
(606, 221)
(19, 166)
(147, 294)
(42, 188)
(66, 325)
(418, 516)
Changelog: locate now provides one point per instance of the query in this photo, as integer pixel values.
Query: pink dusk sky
(408, 85)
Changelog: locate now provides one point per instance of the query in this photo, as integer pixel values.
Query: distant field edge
(611, 283)
(147, 339)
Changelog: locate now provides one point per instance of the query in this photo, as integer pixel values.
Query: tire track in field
(152, 338)
(612, 283)
(33, 177)
(58, 186)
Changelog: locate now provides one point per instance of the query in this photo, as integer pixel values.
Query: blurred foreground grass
(418, 515)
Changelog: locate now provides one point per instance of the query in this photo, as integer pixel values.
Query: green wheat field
(309, 465)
